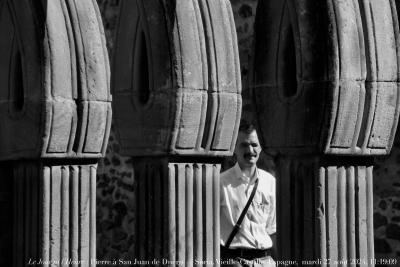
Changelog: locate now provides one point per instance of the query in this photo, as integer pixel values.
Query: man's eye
(254, 145)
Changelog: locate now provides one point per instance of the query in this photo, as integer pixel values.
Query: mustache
(250, 155)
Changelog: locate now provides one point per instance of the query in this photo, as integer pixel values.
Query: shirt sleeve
(271, 224)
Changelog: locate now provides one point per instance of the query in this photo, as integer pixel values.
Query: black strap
(241, 217)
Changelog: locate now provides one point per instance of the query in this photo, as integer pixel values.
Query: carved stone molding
(177, 99)
(331, 69)
(326, 210)
(54, 214)
(55, 109)
(326, 83)
(176, 80)
(178, 211)
(55, 97)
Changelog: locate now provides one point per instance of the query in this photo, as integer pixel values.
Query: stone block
(54, 77)
(326, 75)
(176, 78)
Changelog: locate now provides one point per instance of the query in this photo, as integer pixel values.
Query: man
(251, 245)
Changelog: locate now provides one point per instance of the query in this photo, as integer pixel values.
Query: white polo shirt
(260, 220)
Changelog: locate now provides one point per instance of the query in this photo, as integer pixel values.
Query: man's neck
(248, 171)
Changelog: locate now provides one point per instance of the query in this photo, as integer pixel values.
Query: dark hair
(246, 127)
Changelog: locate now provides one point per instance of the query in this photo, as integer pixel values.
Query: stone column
(326, 87)
(177, 88)
(55, 109)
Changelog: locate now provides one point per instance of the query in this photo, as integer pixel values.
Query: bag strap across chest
(236, 228)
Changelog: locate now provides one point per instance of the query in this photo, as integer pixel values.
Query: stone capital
(331, 70)
(55, 99)
(176, 82)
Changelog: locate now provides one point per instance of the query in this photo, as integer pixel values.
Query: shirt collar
(239, 174)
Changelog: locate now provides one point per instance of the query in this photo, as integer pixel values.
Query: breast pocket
(261, 209)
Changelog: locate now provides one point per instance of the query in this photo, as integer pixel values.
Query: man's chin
(250, 163)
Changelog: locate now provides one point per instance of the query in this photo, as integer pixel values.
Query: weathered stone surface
(115, 184)
(326, 82)
(387, 232)
(176, 80)
(179, 207)
(326, 75)
(396, 219)
(55, 112)
(382, 246)
(6, 220)
(54, 79)
(386, 192)
(325, 210)
(54, 213)
(393, 231)
(385, 170)
(379, 220)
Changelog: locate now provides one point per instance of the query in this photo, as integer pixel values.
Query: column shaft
(178, 212)
(54, 214)
(325, 212)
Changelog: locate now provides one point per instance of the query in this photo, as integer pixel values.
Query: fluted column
(326, 210)
(326, 85)
(54, 214)
(178, 211)
(55, 108)
(177, 89)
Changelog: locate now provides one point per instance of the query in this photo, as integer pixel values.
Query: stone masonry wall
(116, 184)
(387, 204)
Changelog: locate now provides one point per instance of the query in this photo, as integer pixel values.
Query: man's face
(247, 149)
